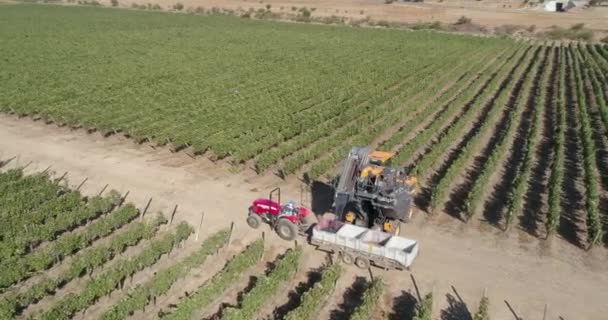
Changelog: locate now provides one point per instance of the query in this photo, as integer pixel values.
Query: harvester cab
(372, 194)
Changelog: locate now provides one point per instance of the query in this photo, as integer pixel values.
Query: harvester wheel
(362, 263)
(347, 258)
(254, 221)
(287, 230)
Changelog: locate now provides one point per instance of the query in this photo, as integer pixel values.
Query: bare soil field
(456, 263)
(486, 13)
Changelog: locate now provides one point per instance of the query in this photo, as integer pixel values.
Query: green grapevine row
(592, 201)
(265, 287)
(371, 296)
(556, 178)
(17, 270)
(220, 282)
(86, 262)
(364, 135)
(475, 196)
(63, 214)
(112, 278)
(452, 114)
(162, 281)
(312, 300)
(475, 102)
(492, 118)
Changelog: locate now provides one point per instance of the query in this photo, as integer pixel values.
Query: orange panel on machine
(381, 156)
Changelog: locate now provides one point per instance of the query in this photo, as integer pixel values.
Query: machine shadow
(322, 197)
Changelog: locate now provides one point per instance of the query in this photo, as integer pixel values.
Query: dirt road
(515, 268)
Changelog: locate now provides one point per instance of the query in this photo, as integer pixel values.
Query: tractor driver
(290, 209)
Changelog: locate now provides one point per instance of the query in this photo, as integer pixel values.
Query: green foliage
(162, 281)
(178, 6)
(270, 126)
(65, 245)
(220, 282)
(483, 312)
(314, 299)
(591, 177)
(576, 32)
(114, 3)
(265, 287)
(371, 296)
(424, 308)
(112, 278)
(87, 261)
(502, 94)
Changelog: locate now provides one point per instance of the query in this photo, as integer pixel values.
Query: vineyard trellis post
(173, 215)
(102, 190)
(124, 198)
(198, 231)
(416, 287)
(230, 234)
(57, 181)
(82, 183)
(143, 213)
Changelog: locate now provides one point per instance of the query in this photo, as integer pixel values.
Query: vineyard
(101, 258)
(510, 133)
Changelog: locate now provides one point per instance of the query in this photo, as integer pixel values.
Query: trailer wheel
(362, 263)
(287, 230)
(254, 221)
(347, 258)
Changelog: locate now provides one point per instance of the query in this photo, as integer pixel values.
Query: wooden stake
(416, 287)
(230, 235)
(173, 215)
(102, 190)
(82, 183)
(61, 178)
(371, 274)
(545, 312)
(124, 198)
(145, 210)
(199, 226)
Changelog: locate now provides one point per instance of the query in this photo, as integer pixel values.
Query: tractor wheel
(287, 230)
(347, 258)
(362, 263)
(254, 221)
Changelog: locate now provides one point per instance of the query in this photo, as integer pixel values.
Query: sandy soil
(487, 13)
(512, 267)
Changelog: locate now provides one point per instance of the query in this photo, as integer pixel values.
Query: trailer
(362, 246)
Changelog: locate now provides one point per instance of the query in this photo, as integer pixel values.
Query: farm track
(424, 198)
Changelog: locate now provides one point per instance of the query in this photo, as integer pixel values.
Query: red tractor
(288, 220)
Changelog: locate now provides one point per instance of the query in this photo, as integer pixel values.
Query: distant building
(559, 5)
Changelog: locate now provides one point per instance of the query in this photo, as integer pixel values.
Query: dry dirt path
(514, 267)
